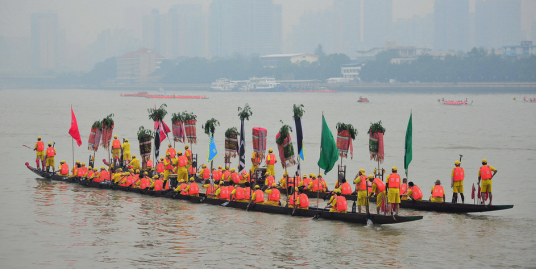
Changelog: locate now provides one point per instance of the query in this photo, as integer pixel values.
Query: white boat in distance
(264, 84)
(223, 84)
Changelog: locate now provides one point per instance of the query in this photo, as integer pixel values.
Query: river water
(59, 225)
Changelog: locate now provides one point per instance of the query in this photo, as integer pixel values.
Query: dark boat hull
(448, 207)
(347, 217)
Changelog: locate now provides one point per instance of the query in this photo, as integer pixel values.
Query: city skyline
(224, 28)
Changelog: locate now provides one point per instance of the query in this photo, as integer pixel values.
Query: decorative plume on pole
(243, 114)
(285, 146)
(345, 134)
(161, 129)
(298, 113)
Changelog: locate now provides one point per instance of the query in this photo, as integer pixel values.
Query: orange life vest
(275, 195)
(380, 186)
(247, 192)
(206, 173)
(160, 167)
(183, 161)
(235, 178)
(149, 163)
(130, 180)
(346, 189)
(363, 184)
(291, 199)
(104, 175)
(64, 169)
(230, 189)
(171, 152)
(306, 182)
(210, 190)
(259, 196)
(239, 194)
(272, 159)
(403, 188)
(158, 185)
(168, 164)
(317, 186)
(188, 154)
(90, 174)
(394, 181)
(116, 144)
(416, 193)
(145, 182)
(224, 193)
(183, 188)
(438, 191)
(40, 146)
(50, 152)
(269, 181)
(194, 189)
(341, 203)
(304, 200)
(191, 170)
(485, 172)
(257, 160)
(459, 174)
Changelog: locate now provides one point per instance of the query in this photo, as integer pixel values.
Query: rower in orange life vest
(182, 187)
(457, 176)
(323, 182)
(50, 153)
(204, 173)
(257, 197)
(269, 180)
(40, 153)
(283, 181)
(438, 193)
(244, 176)
(226, 174)
(188, 155)
(81, 172)
(345, 187)
(192, 189)
(299, 198)
(160, 167)
(414, 192)
(89, 172)
(393, 196)
(255, 161)
(63, 170)
(378, 187)
(135, 163)
(274, 195)
(222, 192)
(484, 174)
(404, 189)
(306, 181)
(316, 185)
(157, 184)
(211, 190)
(171, 151)
(116, 148)
(233, 177)
(103, 175)
(144, 182)
(362, 189)
(270, 161)
(338, 202)
(239, 194)
(149, 163)
(94, 175)
(74, 171)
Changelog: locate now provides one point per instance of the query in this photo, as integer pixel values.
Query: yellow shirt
(187, 154)
(135, 163)
(116, 177)
(490, 167)
(358, 182)
(126, 148)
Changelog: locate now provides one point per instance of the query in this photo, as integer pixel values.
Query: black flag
(242, 149)
(299, 141)
(157, 143)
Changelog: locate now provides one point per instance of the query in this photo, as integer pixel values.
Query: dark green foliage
(157, 114)
(245, 112)
(108, 122)
(283, 133)
(298, 110)
(184, 116)
(97, 124)
(231, 131)
(349, 127)
(210, 126)
(376, 128)
(145, 134)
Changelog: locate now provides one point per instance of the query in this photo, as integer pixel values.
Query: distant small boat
(454, 103)
(530, 100)
(362, 100)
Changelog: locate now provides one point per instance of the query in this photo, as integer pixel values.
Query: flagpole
(72, 146)
(321, 132)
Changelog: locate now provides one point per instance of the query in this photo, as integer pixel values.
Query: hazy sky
(84, 19)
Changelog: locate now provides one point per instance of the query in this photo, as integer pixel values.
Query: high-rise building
(152, 36)
(187, 31)
(245, 27)
(451, 21)
(113, 43)
(498, 23)
(135, 67)
(377, 22)
(337, 29)
(416, 31)
(45, 41)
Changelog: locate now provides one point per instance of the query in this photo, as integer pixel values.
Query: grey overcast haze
(83, 20)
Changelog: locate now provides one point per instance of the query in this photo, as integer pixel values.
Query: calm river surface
(48, 224)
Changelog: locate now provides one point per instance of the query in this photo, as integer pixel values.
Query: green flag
(408, 155)
(329, 154)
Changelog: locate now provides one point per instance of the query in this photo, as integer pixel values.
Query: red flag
(166, 128)
(473, 192)
(162, 130)
(74, 129)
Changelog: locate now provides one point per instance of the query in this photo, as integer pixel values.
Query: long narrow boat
(346, 217)
(449, 207)
(423, 206)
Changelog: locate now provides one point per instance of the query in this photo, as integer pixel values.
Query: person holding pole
(457, 176)
(393, 195)
(378, 187)
(50, 153)
(40, 153)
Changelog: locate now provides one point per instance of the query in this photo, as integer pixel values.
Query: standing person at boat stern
(271, 160)
(484, 174)
(126, 152)
(182, 170)
(393, 196)
(40, 153)
(116, 149)
(457, 176)
(51, 152)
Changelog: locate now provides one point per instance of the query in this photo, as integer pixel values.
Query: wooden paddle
(318, 215)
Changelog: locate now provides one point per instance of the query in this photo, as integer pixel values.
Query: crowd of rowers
(388, 194)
